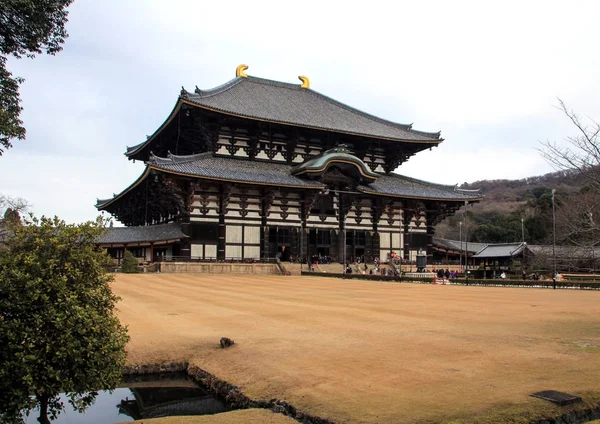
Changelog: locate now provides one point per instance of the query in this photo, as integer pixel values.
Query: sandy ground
(369, 352)
(245, 416)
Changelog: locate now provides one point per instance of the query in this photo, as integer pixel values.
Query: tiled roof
(401, 186)
(149, 233)
(230, 169)
(273, 101)
(501, 250)
(456, 245)
(565, 251)
(279, 174)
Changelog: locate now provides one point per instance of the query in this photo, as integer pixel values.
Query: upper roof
(289, 104)
(149, 233)
(274, 101)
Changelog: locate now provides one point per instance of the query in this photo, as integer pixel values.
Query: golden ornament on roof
(239, 71)
(305, 81)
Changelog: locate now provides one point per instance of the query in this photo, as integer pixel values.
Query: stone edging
(230, 394)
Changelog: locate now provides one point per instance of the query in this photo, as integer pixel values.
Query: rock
(226, 342)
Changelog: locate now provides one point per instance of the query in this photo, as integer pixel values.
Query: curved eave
(103, 205)
(139, 147)
(201, 177)
(433, 142)
(369, 176)
(402, 196)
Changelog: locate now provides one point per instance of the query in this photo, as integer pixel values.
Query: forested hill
(497, 219)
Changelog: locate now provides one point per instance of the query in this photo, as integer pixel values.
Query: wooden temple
(256, 169)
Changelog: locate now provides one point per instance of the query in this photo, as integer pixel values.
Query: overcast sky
(485, 74)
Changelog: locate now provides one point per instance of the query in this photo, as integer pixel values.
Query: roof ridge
(171, 158)
(215, 90)
(394, 174)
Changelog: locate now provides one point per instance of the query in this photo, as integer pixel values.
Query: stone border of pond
(235, 399)
(230, 394)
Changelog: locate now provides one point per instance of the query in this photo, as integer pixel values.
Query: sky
(485, 74)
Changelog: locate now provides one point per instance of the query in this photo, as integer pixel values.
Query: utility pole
(466, 244)
(553, 240)
(522, 231)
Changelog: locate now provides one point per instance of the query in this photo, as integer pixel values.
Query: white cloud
(486, 74)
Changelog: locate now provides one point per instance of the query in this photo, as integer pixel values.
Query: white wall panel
(233, 251)
(384, 240)
(395, 240)
(251, 252)
(197, 250)
(251, 235)
(233, 234)
(210, 251)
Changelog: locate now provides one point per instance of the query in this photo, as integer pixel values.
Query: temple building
(257, 169)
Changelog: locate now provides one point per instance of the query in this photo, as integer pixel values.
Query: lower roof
(207, 166)
(149, 233)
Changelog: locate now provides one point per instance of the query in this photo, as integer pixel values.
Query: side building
(256, 169)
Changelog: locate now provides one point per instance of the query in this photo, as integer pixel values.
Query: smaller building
(453, 252)
(497, 258)
(147, 243)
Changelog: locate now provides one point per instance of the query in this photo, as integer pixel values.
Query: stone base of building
(218, 268)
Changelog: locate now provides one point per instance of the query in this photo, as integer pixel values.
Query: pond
(145, 397)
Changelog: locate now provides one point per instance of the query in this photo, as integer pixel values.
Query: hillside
(498, 217)
(506, 196)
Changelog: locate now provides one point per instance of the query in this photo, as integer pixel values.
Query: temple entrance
(319, 245)
(356, 246)
(281, 240)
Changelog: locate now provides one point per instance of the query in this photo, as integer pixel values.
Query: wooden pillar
(222, 210)
(430, 233)
(406, 217)
(151, 252)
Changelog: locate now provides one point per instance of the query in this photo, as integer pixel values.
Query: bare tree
(582, 152)
(16, 204)
(578, 214)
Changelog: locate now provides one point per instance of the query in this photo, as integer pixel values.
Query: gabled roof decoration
(339, 155)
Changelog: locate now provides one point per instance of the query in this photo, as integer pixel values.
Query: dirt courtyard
(369, 352)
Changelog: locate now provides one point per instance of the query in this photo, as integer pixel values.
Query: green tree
(27, 28)
(130, 263)
(58, 329)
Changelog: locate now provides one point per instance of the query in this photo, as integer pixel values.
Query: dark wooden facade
(249, 187)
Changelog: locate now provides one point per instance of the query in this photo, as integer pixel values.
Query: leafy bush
(129, 264)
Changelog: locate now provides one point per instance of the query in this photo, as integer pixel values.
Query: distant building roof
(472, 247)
(575, 252)
(149, 233)
(505, 250)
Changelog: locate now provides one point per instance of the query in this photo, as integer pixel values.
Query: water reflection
(141, 398)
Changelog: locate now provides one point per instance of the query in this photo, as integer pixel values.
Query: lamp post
(553, 240)
(344, 247)
(466, 244)
(461, 246)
